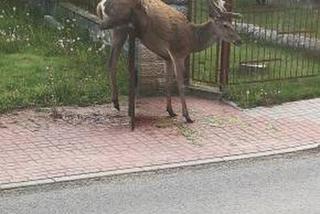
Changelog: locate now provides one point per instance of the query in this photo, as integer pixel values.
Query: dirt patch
(42, 118)
(94, 116)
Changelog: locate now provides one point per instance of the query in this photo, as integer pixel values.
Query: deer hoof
(171, 113)
(188, 119)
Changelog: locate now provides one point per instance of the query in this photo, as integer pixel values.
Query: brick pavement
(34, 146)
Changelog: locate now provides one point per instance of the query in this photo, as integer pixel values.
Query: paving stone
(59, 149)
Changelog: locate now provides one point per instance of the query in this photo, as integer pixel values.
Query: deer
(166, 32)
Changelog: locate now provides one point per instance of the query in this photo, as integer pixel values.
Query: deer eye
(225, 26)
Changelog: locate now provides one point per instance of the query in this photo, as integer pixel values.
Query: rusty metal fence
(281, 41)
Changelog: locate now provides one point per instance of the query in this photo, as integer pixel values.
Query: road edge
(55, 180)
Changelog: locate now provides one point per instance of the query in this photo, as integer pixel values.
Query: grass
(285, 63)
(44, 66)
(272, 93)
(303, 21)
(281, 63)
(292, 62)
(281, 16)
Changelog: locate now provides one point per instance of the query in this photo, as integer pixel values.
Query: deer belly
(157, 46)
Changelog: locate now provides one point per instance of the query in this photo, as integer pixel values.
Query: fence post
(132, 78)
(225, 54)
(188, 69)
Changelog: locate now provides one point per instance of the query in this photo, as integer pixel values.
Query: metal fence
(204, 65)
(280, 42)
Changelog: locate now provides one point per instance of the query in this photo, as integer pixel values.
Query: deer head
(221, 21)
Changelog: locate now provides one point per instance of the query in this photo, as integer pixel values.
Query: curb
(10, 186)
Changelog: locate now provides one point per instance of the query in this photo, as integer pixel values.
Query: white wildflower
(102, 47)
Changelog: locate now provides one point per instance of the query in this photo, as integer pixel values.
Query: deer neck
(203, 36)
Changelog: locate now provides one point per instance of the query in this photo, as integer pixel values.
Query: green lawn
(42, 66)
(270, 93)
(284, 18)
(280, 63)
(298, 20)
(285, 63)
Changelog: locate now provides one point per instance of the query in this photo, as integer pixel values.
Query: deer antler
(217, 10)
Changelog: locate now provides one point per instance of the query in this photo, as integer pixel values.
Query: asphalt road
(284, 184)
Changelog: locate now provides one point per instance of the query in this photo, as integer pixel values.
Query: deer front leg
(118, 39)
(169, 76)
(179, 71)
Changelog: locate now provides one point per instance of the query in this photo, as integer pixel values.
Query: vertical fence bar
(300, 15)
(224, 63)
(188, 67)
(225, 55)
(132, 78)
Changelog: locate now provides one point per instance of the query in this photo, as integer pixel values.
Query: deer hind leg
(118, 39)
(179, 69)
(169, 76)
